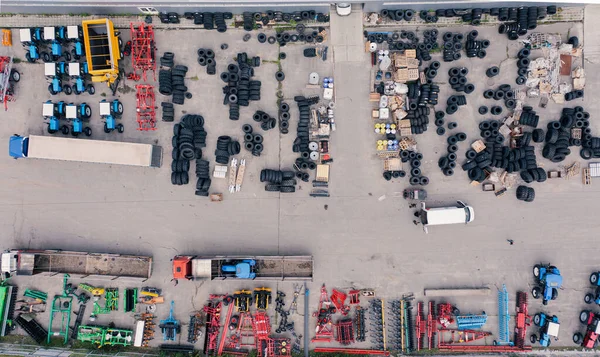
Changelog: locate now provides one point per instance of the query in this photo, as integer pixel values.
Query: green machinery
(111, 297)
(61, 308)
(105, 336)
(35, 294)
(8, 298)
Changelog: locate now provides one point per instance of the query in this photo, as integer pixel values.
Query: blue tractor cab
(33, 54)
(56, 86)
(549, 280)
(549, 327)
(110, 112)
(18, 146)
(52, 113)
(80, 87)
(57, 52)
(243, 269)
(61, 34)
(37, 34)
(78, 50)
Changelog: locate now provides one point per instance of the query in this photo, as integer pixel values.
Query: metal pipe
(306, 292)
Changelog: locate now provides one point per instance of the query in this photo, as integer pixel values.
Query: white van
(446, 215)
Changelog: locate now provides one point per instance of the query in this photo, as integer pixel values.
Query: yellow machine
(91, 289)
(103, 51)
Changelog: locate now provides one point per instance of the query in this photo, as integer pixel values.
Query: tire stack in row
(284, 118)
(278, 181)
(458, 80)
(226, 147)
(414, 158)
(447, 163)
(168, 111)
(206, 58)
(474, 47)
(525, 193)
(557, 140)
(302, 133)
(253, 142)
(503, 92)
(240, 89)
(167, 60)
(172, 82)
(266, 121)
(250, 19)
(453, 102)
(189, 137)
(452, 46)
(210, 19)
(406, 40)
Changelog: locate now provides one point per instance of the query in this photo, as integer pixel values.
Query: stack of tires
(203, 177)
(178, 81)
(219, 18)
(448, 163)
(165, 84)
(240, 89)
(189, 137)
(525, 193)
(278, 181)
(302, 133)
(284, 118)
(458, 80)
(304, 162)
(168, 111)
(206, 58)
(226, 148)
(537, 174)
(266, 121)
(574, 95)
(454, 101)
(452, 46)
(557, 140)
(416, 177)
(476, 48)
(167, 59)
(523, 65)
(253, 142)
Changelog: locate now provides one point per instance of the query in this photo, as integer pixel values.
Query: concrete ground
(362, 236)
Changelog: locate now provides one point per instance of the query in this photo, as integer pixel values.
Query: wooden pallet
(388, 154)
(322, 173)
(392, 164)
(587, 178)
(576, 133)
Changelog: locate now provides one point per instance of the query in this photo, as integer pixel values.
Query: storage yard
(221, 183)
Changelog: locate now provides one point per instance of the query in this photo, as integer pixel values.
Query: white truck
(84, 150)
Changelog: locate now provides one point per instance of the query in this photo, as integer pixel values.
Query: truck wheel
(536, 270)
(588, 298)
(15, 76)
(537, 318)
(594, 278)
(88, 111)
(120, 128)
(65, 130)
(577, 338)
(584, 316)
(554, 294)
(536, 292)
(533, 338)
(87, 131)
(68, 89)
(120, 108)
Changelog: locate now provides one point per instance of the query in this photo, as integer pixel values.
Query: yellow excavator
(102, 51)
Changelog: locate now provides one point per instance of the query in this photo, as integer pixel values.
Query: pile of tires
(266, 121)
(250, 19)
(388, 175)
(474, 47)
(447, 163)
(557, 141)
(168, 111)
(458, 80)
(489, 130)
(203, 180)
(278, 181)
(407, 40)
(189, 137)
(574, 95)
(165, 84)
(530, 118)
(167, 60)
(414, 158)
(240, 89)
(453, 102)
(305, 162)
(253, 142)
(206, 58)
(525, 193)
(284, 118)
(226, 147)
(452, 46)
(302, 132)
(522, 65)
(537, 174)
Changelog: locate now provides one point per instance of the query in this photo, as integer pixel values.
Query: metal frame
(146, 111)
(142, 49)
(503, 319)
(5, 68)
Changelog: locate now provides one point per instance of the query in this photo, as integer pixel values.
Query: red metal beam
(351, 351)
(469, 348)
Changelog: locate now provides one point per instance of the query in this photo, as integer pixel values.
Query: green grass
(194, 78)
(17, 60)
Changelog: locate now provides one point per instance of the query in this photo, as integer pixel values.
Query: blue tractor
(549, 327)
(110, 112)
(33, 54)
(595, 296)
(549, 280)
(37, 34)
(242, 269)
(77, 114)
(53, 113)
(80, 87)
(56, 86)
(57, 52)
(78, 50)
(61, 34)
